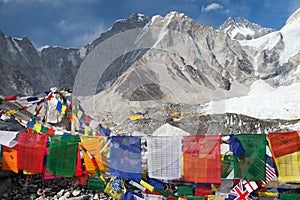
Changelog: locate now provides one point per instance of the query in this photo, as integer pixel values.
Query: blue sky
(74, 23)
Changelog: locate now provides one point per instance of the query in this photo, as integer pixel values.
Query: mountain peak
(138, 17)
(242, 29)
(295, 17)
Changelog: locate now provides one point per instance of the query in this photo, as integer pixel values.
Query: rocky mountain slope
(165, 59)
(26, 70)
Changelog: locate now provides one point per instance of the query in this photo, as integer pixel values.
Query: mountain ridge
(59, 65)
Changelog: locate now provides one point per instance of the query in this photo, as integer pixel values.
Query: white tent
(169, 130)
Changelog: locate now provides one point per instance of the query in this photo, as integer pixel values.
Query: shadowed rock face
(146, 92)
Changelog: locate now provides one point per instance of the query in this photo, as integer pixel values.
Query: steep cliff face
(20, 62)
(26, 70)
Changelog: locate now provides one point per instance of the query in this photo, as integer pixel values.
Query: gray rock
(75, 193)
(67, 194)
(60, 193)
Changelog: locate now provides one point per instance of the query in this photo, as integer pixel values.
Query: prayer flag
(201, 158)
(289, 167)
(165, 157)
(31, 150)
(125, 157)
(284, 143)
(252, 165)
(9, 159)
(62, 155)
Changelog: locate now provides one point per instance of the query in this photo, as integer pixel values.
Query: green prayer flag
(195, 198)
(62, 155)
(252, 166)
(96, 184)
(184, 190)
(44, 129)
(289, 196)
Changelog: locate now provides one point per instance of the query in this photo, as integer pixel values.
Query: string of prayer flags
(15, 97)
(62, 155)
(40, 129)
(165, 157)
(252, 166)
(104, 131)
(31, 150)
(201, 158)
(9, 159)
(284, 143)
(126, 157)
(28, 99)
(10, 98)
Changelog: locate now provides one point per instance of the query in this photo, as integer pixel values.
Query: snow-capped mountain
(183, 62)
(276, 55)
(241, 29)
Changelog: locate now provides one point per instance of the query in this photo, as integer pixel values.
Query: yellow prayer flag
(267, 194)
(37, 127)
(87, 131)
(79, 114)
(288, 167)
(63, 109)
(216, 197)
(147, 186)
(111, 192)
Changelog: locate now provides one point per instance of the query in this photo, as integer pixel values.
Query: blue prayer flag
(126, 157)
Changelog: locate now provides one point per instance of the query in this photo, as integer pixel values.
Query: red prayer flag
(202, 191)
(50, 131)
(78, 170)
(31, 150)
(10, 98)
(201, 158)
(284, 143)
